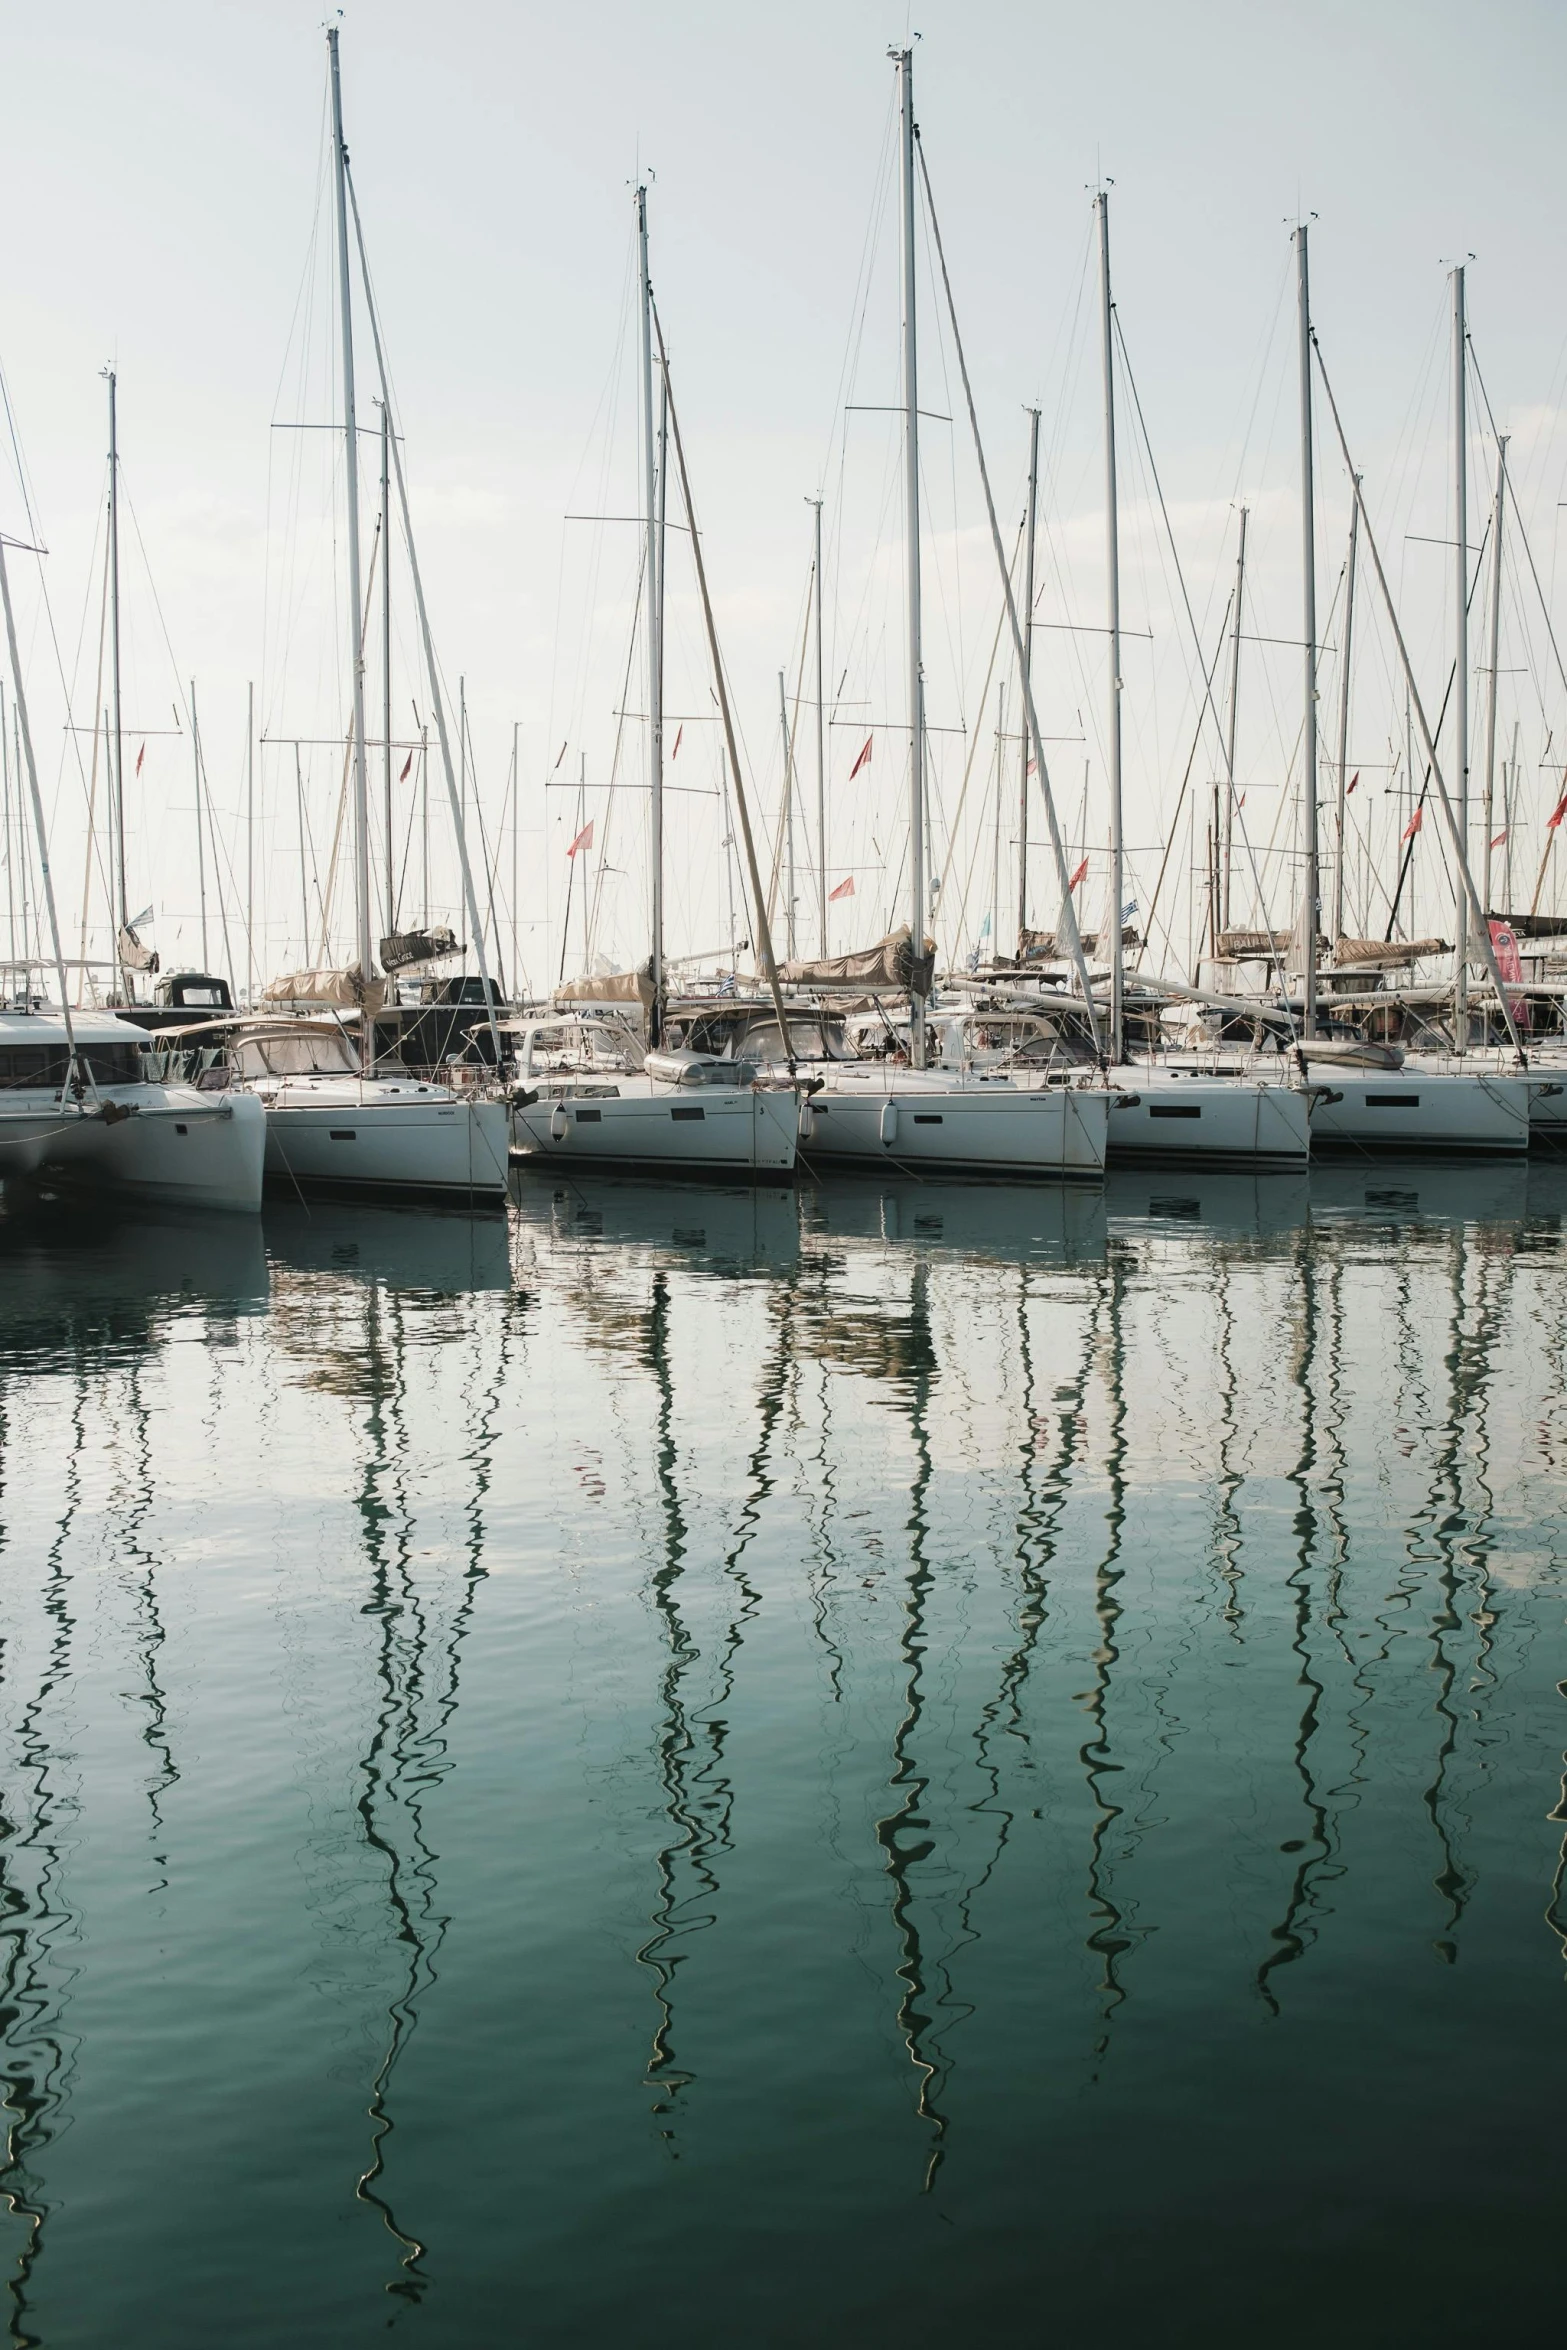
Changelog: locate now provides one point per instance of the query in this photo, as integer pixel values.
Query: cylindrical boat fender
(889, 1122)
(560, 1124)
(807, 1119)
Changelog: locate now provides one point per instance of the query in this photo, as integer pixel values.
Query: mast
(201, 849)
(250, 842)
(821, 752)
(911, 465)
(20, 721)
(1460, 659)
(516, 826)
(121, 906)
(995, 846)
(1227, 829)
(1030, 528)
(1490, 705)
(1113, 561)
(655, 663)
(788, 817)
(386, 664)
(1343, 719)
(351, 483)
(1311, 879)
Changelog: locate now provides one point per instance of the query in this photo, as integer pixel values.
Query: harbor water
(879, 1765)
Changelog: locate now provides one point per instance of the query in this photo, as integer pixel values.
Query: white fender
(807, 1119)
(560, 1124)
(889, 1121)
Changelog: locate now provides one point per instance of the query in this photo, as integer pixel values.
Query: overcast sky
(160, 171)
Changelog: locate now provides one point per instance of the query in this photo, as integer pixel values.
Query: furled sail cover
(133, 955)
(890, 964)
(1386, 954)
(1048, 946)
(608, 987)
(1246, 946)
(347, 988)
(406, 947)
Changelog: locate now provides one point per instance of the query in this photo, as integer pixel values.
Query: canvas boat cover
(890, 966)
(1386, 954)
(608, 987)
(407, 947)
(346, 988)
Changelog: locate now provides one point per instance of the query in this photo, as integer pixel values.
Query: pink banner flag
(407, 767)
(680, 736)
(1413, 826)
(1501, 836)
(845, 889)
(1504, 946)
(1078, 875)
(584, 839)
(870, 741)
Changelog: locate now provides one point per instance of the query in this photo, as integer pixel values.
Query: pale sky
(160, 171)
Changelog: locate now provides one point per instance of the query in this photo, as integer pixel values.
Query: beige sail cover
(1249, 946)
(1386, 954)
(607, 987)
(890, 964)
(345, 987)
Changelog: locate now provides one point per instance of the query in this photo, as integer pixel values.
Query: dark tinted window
(45, 1064)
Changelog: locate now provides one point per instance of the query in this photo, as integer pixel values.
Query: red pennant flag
(1418, 818)
(407, 763)
(679, 739)
(141, 754)
(1501, 836)
(845, 889)
(1551, 822)
(1354, 779)
(584, 839)
(865, 754)
(1078, 875)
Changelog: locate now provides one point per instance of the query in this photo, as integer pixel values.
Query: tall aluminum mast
(1030, 532)
(652, 589)
(121, 906)
(1113, 566)
(1490, 706)
(1225, 833)
(1460, 657)
(351, 484)
(911, 462)
(1343, 720)
(821, 753)
(1311, 880)
(386, 663)
(788, 818)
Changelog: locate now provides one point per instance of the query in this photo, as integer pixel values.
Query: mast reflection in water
(890, 1763)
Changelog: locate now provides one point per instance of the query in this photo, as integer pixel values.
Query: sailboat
(1162, 1112)
(1424, 1107)
(588, 1089)
(878, 1112)
(331, 1120)
(76, 1102)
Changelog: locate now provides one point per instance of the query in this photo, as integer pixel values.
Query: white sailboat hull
(1191, 1118)
(712, 1129)
(166, 1144)
(355, 1138)
(1420, 1109)
(1002, 1130)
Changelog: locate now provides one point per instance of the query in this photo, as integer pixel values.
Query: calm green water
(910, 1766)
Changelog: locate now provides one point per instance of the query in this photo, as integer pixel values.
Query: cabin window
(1392, 1101)
(1173, 1110)
(44, 1065)
(692, 1112)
